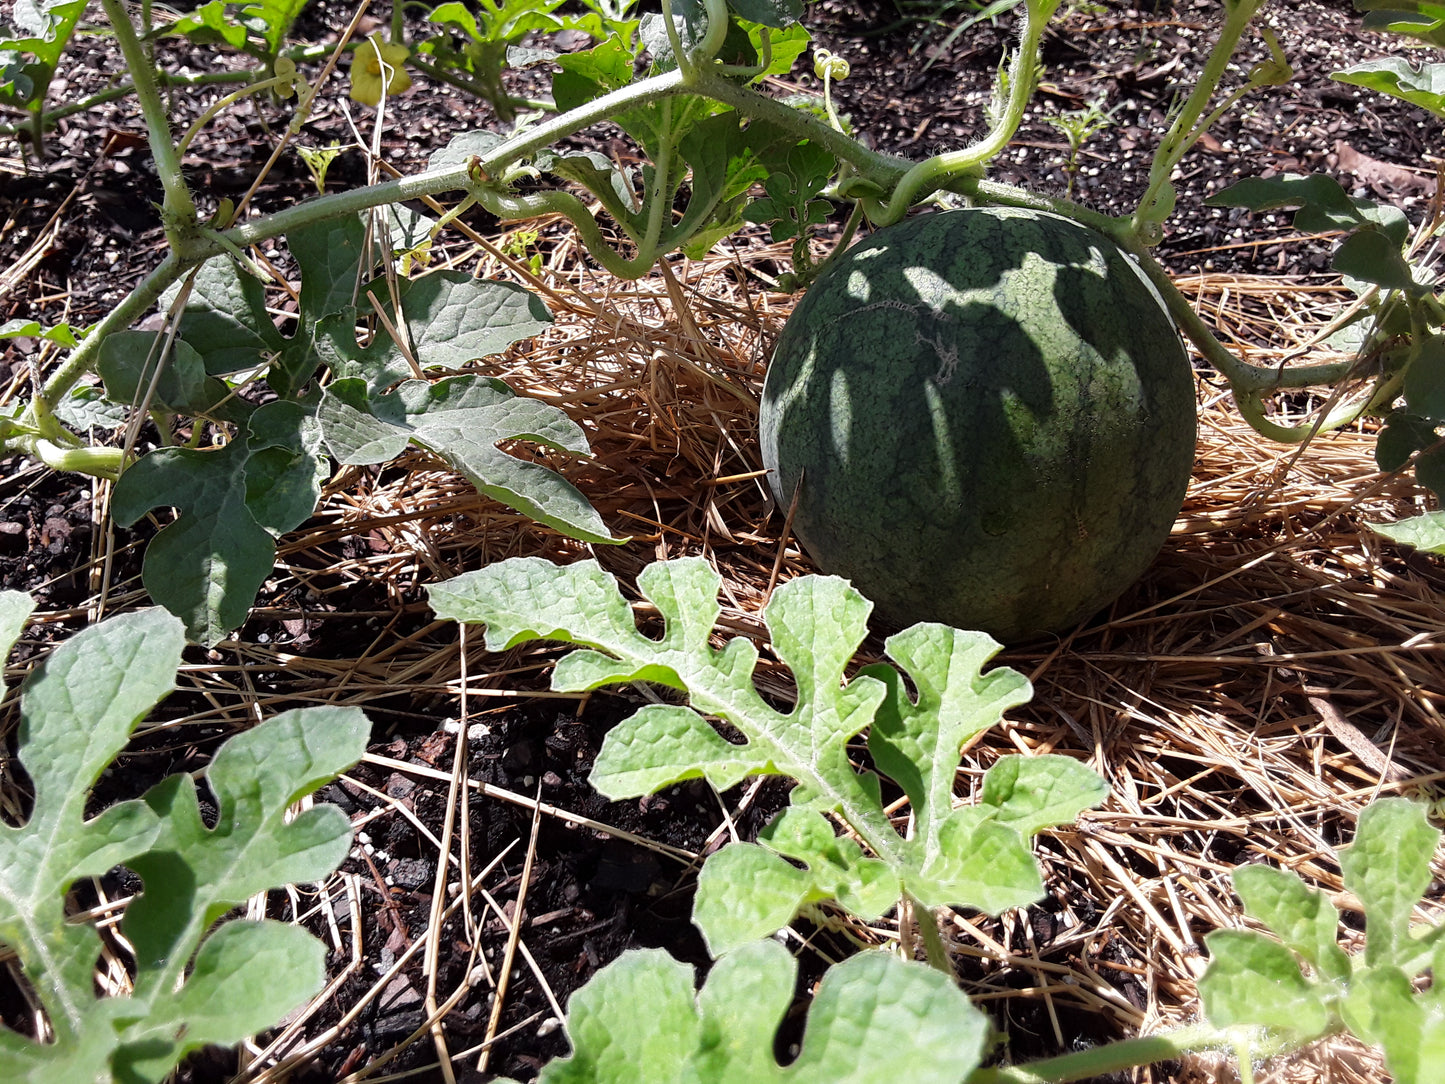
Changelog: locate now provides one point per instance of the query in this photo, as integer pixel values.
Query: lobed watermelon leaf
(462, 419)
(725, 1032)
(233, 503)
(976, 856)
(1423, 86)
(191, 987)
(1256, 980)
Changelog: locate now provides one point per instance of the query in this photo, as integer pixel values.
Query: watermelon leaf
(1424, 532)
(977, 856)
(462, 419)
(1422, 19)
(191, 987)
(726, 1030)
(1254, 980)
(233, 503)
(1423, 86)
(1323, 204)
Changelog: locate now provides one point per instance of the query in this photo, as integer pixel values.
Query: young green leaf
(977, 857)
(210, 24)
(1425, 379)
(273, 19)
(1403, 435)
(194, 874)
(726, 1032)
(1388, 869)
(62, 334)
(1422, 19)
(449, 318)
(1252, 980)
(77, 711)
(1423, 86)
(462, 419)
(225, 318)
(207, 565)
(88, 407)
(246, 976)
(127, 364)
(1323, 204)
(832, 867)
(44, 29)
(1424, 532)
(1383, 1009)
(792, 205)
(1300, 916)
(1369, 255)
(15, 609)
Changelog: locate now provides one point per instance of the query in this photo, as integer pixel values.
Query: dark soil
(914, 90)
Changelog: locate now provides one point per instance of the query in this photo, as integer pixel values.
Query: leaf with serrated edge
(1300, 916)
(449, 319)
(246, 976)
(195, 874)
(725, 1032)
(286, 466)
(455, 318)
(917, 743)
(83, 1057)
(1388, 868)
(979, 863)
(207, 566)
(1255, 981)
(1030, 794)
(726, 917)
(612, 1040)
(835, 868)
(1424, 532)
(77, 712)
(15, 610)
(1383, 1009)
(816, 623)
(462, 419)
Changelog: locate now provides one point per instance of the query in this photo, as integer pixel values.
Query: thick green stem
(1251, 409)
(882, 170)
(180, 208)
(131, 308)
(1006, 195)
(514, 208)
(1132, 1053)
(1158, 200)
(1244, 379)
(926, 921)
(942, 169)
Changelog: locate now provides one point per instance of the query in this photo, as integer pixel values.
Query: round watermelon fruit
(988, 420)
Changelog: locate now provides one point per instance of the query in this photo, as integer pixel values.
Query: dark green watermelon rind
(994, 417)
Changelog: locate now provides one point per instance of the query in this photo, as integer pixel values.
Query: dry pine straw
(1278, 667)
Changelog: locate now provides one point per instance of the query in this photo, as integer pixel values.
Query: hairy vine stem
(900, 182)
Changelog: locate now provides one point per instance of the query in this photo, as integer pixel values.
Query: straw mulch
(1278, 667)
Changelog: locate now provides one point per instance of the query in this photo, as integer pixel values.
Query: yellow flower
(367, 64)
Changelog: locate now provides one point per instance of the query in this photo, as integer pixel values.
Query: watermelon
(987, 418)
